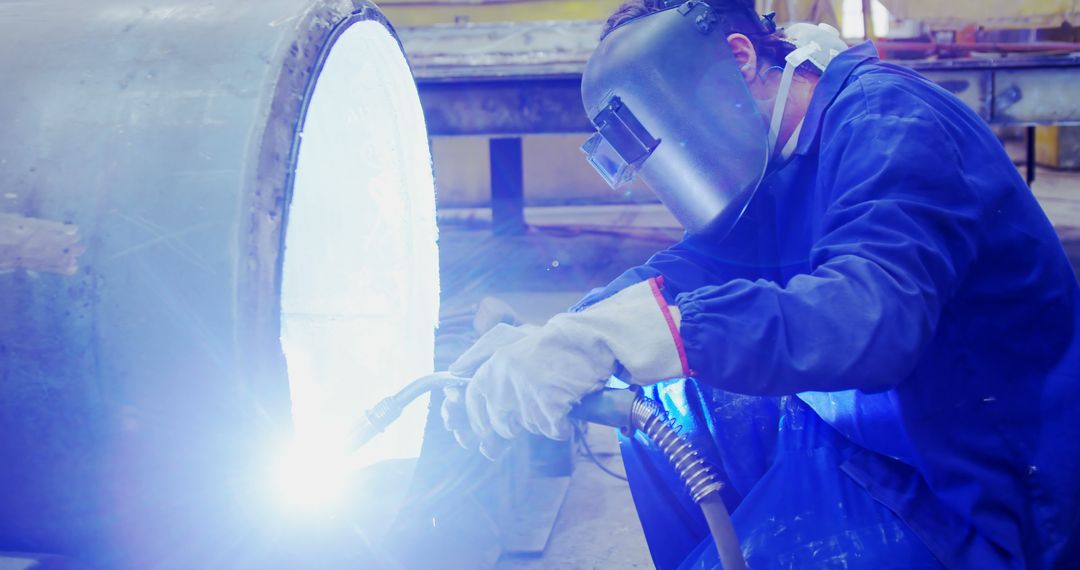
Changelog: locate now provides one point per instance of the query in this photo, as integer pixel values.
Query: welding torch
(625, 409)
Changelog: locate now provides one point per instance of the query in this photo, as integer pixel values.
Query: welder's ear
(745, 55)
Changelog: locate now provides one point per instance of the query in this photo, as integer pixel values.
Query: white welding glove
(531, 384)
(499, 336)
(454, 415)
(491, 311)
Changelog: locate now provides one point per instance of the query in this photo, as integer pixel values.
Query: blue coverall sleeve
(684, 266)
(897, 234)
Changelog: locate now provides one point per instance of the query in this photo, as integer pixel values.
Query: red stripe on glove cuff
(655, 284)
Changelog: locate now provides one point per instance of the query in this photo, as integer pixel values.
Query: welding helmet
(670, 106)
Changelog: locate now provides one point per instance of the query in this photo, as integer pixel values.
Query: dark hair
(771, 48)
(629, 11)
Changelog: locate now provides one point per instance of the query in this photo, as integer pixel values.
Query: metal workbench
(513, 79)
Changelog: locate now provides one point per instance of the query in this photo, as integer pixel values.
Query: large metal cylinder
(148, 160)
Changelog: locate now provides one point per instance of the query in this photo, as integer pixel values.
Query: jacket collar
(828, 87)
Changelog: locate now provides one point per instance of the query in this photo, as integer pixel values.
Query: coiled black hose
(700, 478)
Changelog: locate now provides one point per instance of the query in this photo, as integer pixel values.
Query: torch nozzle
(374, 421)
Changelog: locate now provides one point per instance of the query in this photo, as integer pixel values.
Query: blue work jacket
(899, 276)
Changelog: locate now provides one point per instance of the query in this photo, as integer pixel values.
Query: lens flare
(312, 475)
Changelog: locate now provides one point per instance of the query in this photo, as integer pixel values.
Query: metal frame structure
(514, 79)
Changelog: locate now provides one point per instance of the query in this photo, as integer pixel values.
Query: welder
(870, 325)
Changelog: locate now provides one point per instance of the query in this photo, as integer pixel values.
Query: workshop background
(149, 162)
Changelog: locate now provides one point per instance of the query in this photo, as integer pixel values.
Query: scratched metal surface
(135, 392)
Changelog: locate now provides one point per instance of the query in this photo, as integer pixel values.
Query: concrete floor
(547, 271)
(597, 527)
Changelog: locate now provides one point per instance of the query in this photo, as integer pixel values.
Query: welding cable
(642, 233)
(591, 456)
(723, 532)
(700, 478)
